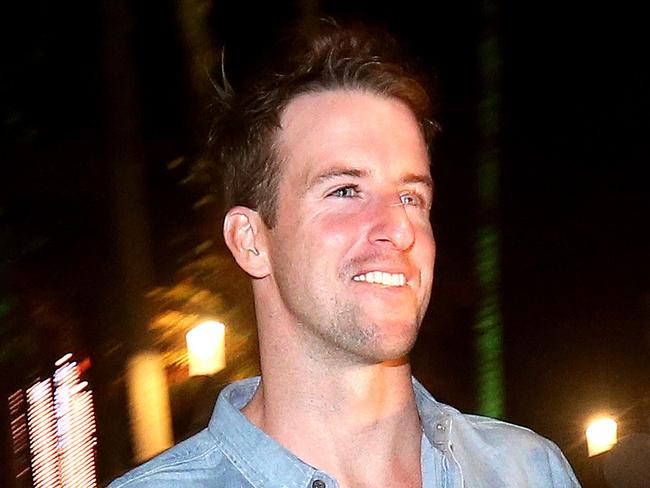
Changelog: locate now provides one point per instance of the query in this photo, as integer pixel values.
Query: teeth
(381, 278)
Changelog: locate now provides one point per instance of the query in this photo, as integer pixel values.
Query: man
(327, 172)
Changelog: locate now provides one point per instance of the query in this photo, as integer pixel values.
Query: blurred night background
(110, 239)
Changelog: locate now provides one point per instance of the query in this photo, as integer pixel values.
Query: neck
(359, 423)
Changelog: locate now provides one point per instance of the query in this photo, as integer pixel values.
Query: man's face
(352, 251)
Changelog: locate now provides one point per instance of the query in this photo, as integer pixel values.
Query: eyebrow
(415, 178)
(337, 172)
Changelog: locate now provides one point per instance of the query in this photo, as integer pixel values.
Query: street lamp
(601, 435)
(206, 348)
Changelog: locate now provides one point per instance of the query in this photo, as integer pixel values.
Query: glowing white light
(62, 360)
(601, 435)
(76, 428)
(78, 387)
(60, 428)
(20, 436)
(206, 348)
(41, 420)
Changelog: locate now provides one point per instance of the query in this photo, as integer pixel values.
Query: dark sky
(574, 206)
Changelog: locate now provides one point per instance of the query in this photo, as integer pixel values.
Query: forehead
(349, 127)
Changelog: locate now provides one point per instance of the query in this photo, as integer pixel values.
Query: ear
(244, 233)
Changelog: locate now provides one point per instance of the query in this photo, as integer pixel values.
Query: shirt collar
(265, 463)
(436, 418)
(259, 458)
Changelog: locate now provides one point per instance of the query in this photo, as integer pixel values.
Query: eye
(411, 200)
(349, 191)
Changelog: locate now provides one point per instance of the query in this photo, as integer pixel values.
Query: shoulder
(491, 452)
(499, 432)
(192, 461)
(445, 424)
(504, 436)
(520, 452)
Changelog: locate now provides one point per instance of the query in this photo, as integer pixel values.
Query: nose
(392, 226)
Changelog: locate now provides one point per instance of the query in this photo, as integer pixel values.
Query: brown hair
(244, 133)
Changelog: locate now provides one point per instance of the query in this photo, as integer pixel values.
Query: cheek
(424, 235)
(334, 233)
(429, 243)
(425, 253)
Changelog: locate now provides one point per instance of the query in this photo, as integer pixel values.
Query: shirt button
(318, 484)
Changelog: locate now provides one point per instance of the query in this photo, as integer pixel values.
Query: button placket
(441, 432)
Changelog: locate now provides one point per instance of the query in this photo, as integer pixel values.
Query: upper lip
(383, 270)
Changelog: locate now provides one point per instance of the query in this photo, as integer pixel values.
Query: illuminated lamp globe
(601, 435)
(206, 348)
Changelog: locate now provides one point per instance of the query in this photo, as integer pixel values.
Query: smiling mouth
(382, 278)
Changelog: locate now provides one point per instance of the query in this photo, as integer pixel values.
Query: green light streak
(488, 332)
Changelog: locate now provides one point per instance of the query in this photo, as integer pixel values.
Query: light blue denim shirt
(457, 451)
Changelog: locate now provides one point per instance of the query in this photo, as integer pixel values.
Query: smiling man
(327, 172)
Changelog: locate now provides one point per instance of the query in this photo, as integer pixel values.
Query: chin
(396, 332)
(394, 347)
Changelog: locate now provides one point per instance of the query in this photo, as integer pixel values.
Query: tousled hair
(328, 57)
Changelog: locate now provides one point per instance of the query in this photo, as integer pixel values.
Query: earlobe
(243, 232)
